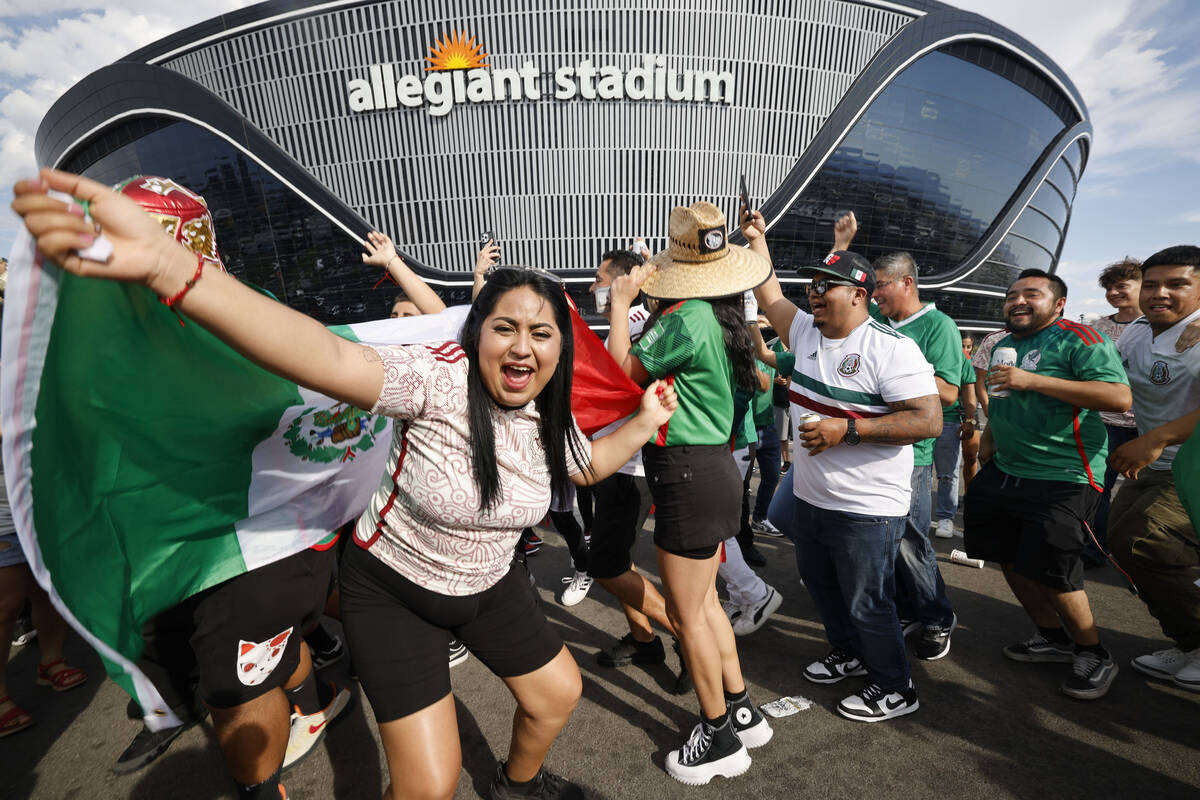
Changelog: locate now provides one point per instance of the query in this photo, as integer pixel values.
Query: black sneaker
(748, 723)
(1091, 676)
(754, 556)
(323, 658)
(631, 651)
(147, 746)
(935, 640)
(544, 786)
(909, 626)
(683, 682)
(707, 753)
(458, 652)
(833, 667)
(1041, 650)
(874, 704)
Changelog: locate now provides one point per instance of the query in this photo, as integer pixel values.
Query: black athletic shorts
(245, 633)
(697, 495)
(1035, 525)
(399, 632)
(622, 503)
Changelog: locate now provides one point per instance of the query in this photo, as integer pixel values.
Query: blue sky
(1134, 61)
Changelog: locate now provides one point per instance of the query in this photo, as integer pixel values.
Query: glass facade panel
(963, 306)
(1033, 224)
(1074, 155)
(1062, 177)
(1048, 200)
(927, 168)
(1021, 253)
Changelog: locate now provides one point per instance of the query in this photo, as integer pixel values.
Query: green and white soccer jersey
(855, 377)
(937, 336)
(954, 412)
(1040, 437)
(1166, 384)
(686, 347)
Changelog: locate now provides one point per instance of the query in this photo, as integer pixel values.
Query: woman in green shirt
(696, 340)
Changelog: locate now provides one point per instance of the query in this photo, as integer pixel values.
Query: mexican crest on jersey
(850, 365)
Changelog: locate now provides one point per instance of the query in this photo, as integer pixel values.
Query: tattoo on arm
(370, 356)
(910, 421)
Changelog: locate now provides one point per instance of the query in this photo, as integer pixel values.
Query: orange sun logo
(458, 51)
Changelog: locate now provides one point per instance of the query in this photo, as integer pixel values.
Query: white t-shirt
(424, 519)
(1165, 384)
(855, 376)
(637, 321)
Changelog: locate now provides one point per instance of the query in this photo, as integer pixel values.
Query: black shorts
(697, 495)
(622, 505)
(245, 634)
(1035, 525)
(399, 632)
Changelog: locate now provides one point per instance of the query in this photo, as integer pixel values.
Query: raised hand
(625, 288)
(844, 230)
(752, 224)
(658, 403)
(380, 250)
(489, 254)
(142, 250)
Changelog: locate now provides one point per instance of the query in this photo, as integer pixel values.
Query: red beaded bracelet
(170, 302)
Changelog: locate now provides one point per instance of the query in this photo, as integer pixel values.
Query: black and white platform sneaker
(709, 752)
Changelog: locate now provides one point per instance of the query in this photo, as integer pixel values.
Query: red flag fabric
(601, 393)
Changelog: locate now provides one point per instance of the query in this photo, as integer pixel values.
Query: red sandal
(63, 679)
(15, 719)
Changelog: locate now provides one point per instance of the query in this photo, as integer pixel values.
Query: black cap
(845, 264)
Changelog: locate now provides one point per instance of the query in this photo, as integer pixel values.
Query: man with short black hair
(1150, 533)
(1043, 454)
(920, 590)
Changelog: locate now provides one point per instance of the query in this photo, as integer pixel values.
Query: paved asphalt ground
(987, 727)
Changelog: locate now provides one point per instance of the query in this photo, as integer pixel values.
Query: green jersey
(686, 347)
(1046, 439)
(937, 336)
(954, 413)
(763, 408)
(744, 432)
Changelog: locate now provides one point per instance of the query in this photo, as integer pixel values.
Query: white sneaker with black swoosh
(875, 704)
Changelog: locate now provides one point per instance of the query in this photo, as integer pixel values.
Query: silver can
(1002, 357)
(601, 295)
(806, 417)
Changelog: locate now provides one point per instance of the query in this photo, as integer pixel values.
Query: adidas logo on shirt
(813, 354)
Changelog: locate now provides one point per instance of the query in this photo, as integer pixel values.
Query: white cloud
(1191, 217)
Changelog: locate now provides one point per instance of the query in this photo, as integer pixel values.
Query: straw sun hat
(699, 263)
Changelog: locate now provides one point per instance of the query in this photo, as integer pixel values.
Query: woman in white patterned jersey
(484, 431)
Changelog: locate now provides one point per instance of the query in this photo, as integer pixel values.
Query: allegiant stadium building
(568, 128)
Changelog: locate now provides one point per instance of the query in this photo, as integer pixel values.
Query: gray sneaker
(1091, 676)
(1041, 650)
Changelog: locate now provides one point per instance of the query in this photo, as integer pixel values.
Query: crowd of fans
(888, 409)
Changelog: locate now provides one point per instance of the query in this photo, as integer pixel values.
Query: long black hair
(553, 403)
(729, 312)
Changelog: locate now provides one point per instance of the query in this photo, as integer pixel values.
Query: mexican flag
(146, 461)
(1186, 467)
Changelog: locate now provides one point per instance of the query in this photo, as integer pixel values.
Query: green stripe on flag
(837, 393)
(1186, 468)
(136, 495)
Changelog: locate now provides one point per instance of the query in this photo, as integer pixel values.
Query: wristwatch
(851, 438)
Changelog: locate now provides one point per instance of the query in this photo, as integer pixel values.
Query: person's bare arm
(981, 394)
(1132, 457)
(967, 429)
(779, 310)
(987, 446)
(488, 255)
(623, 291)
(611, 452)
(381, 252)
(283, 341)
(910, 421)
(947, 391)
(1093, 395)
(761, 351)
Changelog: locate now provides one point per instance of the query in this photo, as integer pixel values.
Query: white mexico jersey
(855, 377)
(1165, 384)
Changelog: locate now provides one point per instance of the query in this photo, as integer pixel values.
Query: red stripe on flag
(1087, 464)
(832, 411)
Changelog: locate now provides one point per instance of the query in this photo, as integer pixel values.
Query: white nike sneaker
(308, 729)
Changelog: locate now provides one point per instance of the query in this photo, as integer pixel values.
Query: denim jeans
(847, 562)
(1117, 436)
(947, 456)
(783, 504)
(920, 590)
(769, 459)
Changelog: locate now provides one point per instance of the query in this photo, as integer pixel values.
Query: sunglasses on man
(820, 286)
